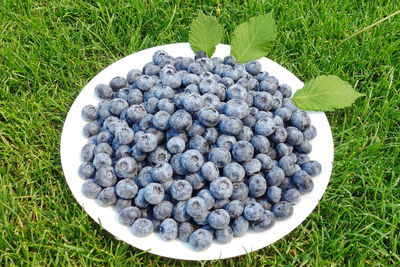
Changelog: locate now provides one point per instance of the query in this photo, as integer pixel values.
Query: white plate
(72, 141)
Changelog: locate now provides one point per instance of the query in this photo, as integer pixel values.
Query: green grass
(50, 49)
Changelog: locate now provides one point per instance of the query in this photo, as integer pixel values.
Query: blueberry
(135, 113)
(86, 170)
(167, 70)
(249, 120)
(199, 143)
(179, 212)
(220, 92)
(142, 227)
(265, 203)
(253, 67)
(266, 161)
(105, 137)
(118, 105)
(162, 172)
(200, 239)
(122, 204)
(183, 63)
(126, 167)
(287, 163)
(124, 135)
(211, 135)
(219, 219)
(291, 195)
(197, 128)
(132, 76)
(230, 125)
(252, 166)
(248, 200)
(304, 147)
(263, 101)
(174, 81)
(282, 210)
(180, 120)
(224, 236)
(151, 105)
(137, 154)
(302, 158)
(145, 176)
(118, 83)
(313, 168)
(176, 164)
(274, 194)
(239, 226)
(234, 208)
(190, 79)
(151, 69)
(240, 191)
(140, 201)
(145, 82)
(253, 211)
(227, 82)
(185, 229)
(181, 190)
(242, 151)
(128, 215)
(126, 189)
(200, 54)
(208, 85)
(236, 108)
(209, 171)
(267, 86)
(104, 91)
(192, 160)
(265, 126)
(275, 176)
(261, 114)
(260, 143)
(195, 68)
(261, 76)
(167, 187)
(107, 197)
(196, 180)
(208, 116)
(176, 145)
(282, 150)
(266, 221)
(226, 141)
(303, 182)
(158, 55)
(236, 92)
(146, 142)
(206, 63)
(105, 176)
(166, 105)
(154, 193)
(229, 60)
(221, 188)
(257, 185)
(91, 129)
(294, 136)
(87, 152)
(196, 207)
(285, 89)
(161, 120)
(301, 120)
(310, 133)
(90, 113)
(169, 229)
(91, 189)
(208, 198)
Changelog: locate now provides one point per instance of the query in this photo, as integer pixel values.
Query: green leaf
(205, 33)
(325, 93)
(254, 38)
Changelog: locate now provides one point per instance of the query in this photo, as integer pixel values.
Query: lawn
(50, 49)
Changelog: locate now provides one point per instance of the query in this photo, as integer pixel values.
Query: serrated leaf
(325, 93)
(254, 38)
(205, 33)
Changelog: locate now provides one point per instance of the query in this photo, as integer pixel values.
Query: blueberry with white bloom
(230, 125)
(198, 142)
(257, 185)
(266, 222)
(224, 236)
(208, 85)
(101, 159)
(179, 212)
(252, 166)
(282, 210)
(234, 208)
(291, 195)
(91, 189)
(176, 145)
(154, 193)
(240, 226)
(146, 142)
(181, 190)
(221, 188)
(180, 120)
(128, 215)
(185, 229)
(226, 141)
(253, 211)
(169, 229)
(302, 181)
(142, 227)
(220, 157)
(158, 156)
(260, 143)
(126, 189)
(200, 239)
(104, 91)
(265, 126)
(208, 198)
(313, 168)
(242, 151)
(107, 197)
(91, 129)
(196, 180)
(240, 191)
(86, 170)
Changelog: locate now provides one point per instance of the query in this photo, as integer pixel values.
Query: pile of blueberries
(197, 149)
